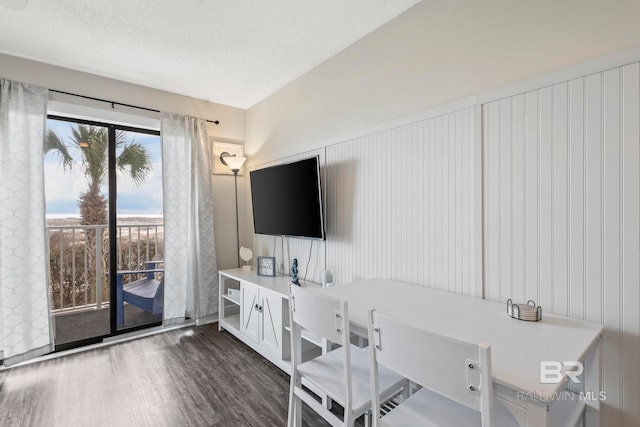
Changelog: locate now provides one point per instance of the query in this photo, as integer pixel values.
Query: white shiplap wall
(399, 205)
(562, 213)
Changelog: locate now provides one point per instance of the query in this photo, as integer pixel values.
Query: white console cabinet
(255, 309)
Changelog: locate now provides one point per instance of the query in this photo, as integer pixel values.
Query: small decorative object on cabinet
(266, 266)
(327, 279)
(527, 311)
(246, 254)
(294, 272)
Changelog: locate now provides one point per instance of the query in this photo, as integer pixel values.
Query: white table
(517, 347)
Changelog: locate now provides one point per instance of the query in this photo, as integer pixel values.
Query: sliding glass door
(139, 254)
(103, 188)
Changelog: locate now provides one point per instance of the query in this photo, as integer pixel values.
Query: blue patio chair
(146, 293)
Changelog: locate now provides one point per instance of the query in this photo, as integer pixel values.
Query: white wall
(231, 128)
(436, 52)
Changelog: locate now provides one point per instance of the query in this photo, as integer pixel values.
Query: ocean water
(77, 215)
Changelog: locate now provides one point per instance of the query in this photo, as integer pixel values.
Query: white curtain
(24, 303)
(191, 272)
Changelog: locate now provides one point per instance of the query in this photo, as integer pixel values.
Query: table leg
(592, 385)
(326, 400)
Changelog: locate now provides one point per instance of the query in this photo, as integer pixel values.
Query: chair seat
(144, 288)
(146, 294)
(326, 373)
(428, 409)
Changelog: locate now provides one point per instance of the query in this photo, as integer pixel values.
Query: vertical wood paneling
(406, 219)
(468, 229)
(440, 211)
(531, 165)
(453, 224)
(491, 113)
(631, 243)
(560, 189)
(573, 170)
(576, 198)
(431, 217)
(505, 184)
(545, 198)
(458, 161)
(612, 357)
(593, 198)
(517, 207)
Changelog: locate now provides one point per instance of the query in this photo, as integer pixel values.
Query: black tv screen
(287, 200)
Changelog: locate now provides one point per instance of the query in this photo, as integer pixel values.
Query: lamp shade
(234, 163)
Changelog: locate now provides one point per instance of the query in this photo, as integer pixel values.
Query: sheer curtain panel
(24, 302)
(191, 273)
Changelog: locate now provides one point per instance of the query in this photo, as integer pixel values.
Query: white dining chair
(456, 380)
(342, 374)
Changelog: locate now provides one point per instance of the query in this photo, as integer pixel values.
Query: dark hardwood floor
(194, 376)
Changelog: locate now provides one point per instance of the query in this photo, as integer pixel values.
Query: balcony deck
(78, 286)
(80, 325)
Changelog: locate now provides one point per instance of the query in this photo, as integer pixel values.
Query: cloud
(63, 188)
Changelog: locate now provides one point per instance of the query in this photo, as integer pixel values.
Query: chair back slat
(445, 366)
(319, 314)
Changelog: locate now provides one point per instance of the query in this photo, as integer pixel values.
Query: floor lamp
(234, 163)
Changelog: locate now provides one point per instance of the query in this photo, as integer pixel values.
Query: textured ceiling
(234, 52)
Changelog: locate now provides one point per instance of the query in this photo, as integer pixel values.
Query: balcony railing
(79, 261)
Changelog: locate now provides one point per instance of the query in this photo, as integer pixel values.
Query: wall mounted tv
(287, 200)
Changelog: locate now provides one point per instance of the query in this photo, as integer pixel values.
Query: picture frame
(225, 147)
(266, 266)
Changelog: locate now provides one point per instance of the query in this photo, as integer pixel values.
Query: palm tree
(92, 143)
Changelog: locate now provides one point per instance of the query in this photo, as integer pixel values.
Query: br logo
(553, 372)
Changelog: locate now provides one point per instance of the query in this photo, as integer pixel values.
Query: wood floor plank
(194, 376)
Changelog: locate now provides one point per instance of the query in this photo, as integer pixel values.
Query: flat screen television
(287, 200)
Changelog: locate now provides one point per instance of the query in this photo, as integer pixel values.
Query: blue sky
(63, 188)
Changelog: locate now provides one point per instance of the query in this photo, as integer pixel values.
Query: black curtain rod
(113, 103)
